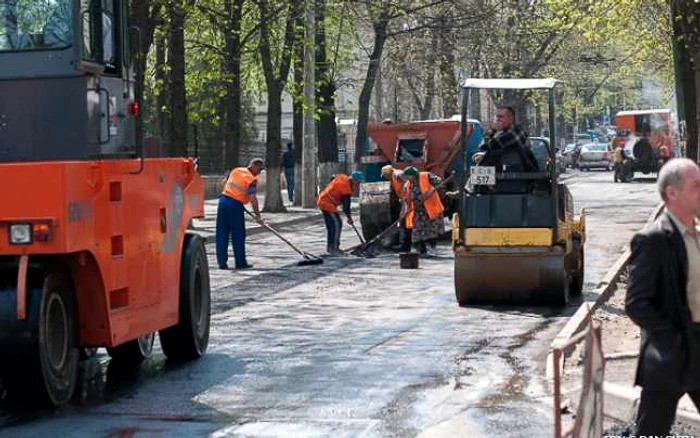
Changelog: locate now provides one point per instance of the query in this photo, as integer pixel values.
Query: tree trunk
(310, 157)
(144, 15)
(275, 82)
(162, 115)
(687, 76)
(232, 69)
(448, 82)
(378, 94)
(692, 109)
(298, 109)
(178, 93)
(380, 35)
(273, 194)
(327, 132)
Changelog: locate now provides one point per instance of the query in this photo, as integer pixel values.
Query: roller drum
(512, 277)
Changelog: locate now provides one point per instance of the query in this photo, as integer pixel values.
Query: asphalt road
(351, 348)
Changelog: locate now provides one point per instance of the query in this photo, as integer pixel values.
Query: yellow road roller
(516, 239)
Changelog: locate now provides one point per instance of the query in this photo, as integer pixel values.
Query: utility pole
(310, 153)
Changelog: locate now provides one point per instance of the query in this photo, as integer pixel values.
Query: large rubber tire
(46, 373)
(189, 338)
(133, 352)
(379, 208)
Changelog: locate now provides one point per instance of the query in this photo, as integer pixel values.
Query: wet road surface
(351, 348)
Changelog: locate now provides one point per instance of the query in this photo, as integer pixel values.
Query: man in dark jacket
(663, 299)
(507, 139)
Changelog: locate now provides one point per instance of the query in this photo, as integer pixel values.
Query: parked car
(595, 155)
(541, 150)
(571, 154)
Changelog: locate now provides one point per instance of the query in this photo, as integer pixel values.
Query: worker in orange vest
(398, 186)
(238, 187)
(425, 210)
(338, 192)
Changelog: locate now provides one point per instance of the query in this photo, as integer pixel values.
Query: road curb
(621, 402)
(603, 291)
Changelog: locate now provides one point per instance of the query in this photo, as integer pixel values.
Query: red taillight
(134, 109)
(605, 155)
(41, 232)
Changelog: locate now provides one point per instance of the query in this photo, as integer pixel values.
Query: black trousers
(334, 226)
(657, 411)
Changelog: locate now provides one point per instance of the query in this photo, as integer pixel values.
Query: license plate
(483, 176)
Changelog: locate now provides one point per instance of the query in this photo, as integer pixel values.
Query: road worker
(238, 188)
(425, 210)
(619, 156)
(398, 186)
(338, 192)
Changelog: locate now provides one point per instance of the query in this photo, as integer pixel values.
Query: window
(35, 24)
(410, 149)
(108, 27)
(540, 149)
(100, 31)
(596, 147)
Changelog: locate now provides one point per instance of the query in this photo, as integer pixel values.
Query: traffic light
(573, 112)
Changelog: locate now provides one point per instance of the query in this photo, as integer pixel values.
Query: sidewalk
(207, 227)
(620, 339)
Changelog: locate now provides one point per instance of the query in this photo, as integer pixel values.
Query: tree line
(202, 65)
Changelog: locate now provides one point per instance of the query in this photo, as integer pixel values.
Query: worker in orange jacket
(398, 186)
(425, 210)
(238, 187)
(338, 192)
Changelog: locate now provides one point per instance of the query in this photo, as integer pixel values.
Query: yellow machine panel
(509, 237)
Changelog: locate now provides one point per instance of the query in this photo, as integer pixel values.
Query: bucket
(409, 260)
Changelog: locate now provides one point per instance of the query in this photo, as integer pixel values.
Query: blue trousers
(333, 228)
(289, 177)
(230, 222)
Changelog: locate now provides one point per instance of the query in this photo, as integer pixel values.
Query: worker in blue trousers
(239, 187)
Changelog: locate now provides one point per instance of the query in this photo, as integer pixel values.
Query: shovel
(309, 259)
(362, 240)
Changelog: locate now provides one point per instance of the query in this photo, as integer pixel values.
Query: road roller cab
(94, 250)
(516, 239)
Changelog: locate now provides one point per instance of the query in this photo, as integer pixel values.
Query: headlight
(20, 234)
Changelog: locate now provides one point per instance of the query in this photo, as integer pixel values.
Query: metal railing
(590, 409)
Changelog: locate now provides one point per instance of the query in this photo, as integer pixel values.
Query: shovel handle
(358, 233)
(302, 253)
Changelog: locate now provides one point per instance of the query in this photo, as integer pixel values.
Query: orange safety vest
(331, 197)
(433, 205)
(239, 181)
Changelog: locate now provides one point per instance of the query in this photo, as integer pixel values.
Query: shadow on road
(103, 381)
(274, 281)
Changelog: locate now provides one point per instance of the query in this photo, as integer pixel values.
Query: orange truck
(653, 125)
(94, 247)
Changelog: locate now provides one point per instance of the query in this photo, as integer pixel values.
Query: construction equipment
(516, 239)
(94, 250)
(431, 145)
(643, 133)
(309, 259)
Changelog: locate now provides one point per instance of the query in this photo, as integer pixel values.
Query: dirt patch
(620, 338)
